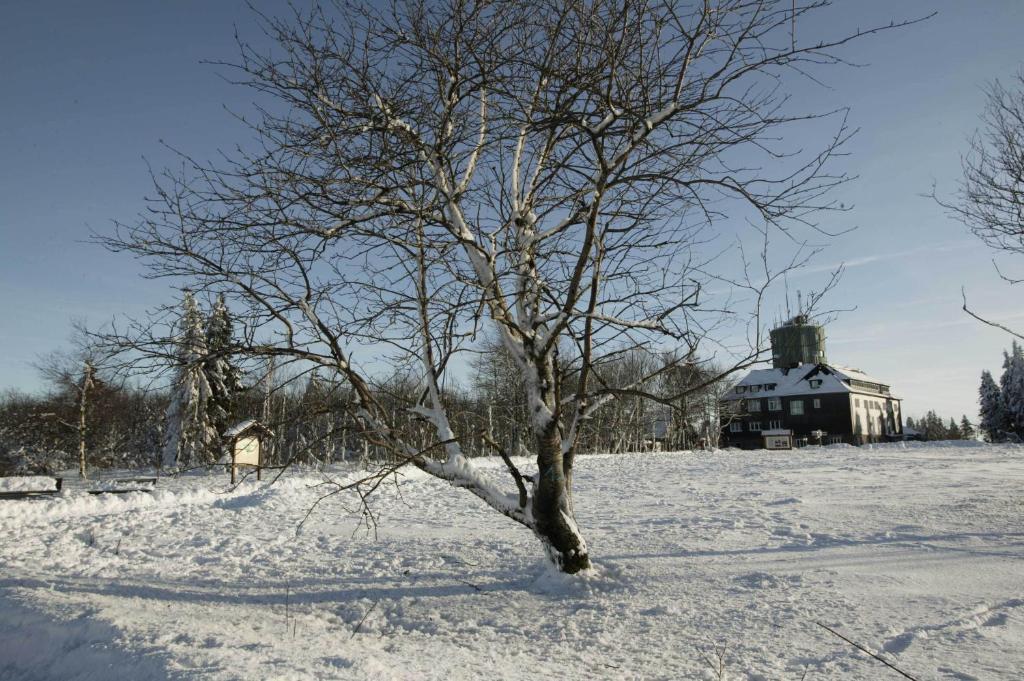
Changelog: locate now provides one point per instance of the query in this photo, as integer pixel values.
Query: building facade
(811, 401)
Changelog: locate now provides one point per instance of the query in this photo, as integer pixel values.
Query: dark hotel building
(806, 399)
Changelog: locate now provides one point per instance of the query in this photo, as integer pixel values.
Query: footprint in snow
(996, 620)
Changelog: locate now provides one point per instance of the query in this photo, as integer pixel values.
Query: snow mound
(28, 483)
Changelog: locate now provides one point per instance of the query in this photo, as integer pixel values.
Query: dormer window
(815, 382)
(741, 389)
(770, 386)
(755, 388)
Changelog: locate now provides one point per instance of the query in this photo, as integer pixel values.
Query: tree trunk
(554, 522)
(83, 402)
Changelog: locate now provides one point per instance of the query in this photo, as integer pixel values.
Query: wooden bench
(28, 494)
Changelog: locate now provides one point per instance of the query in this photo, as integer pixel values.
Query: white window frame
(775, 424)
(796, 407)
(774, 404)
(740, 389)
(736, 427)
(754, 425)
(815, 383)
(817, 403)
(753, 405)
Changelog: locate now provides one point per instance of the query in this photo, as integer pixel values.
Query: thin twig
(359, 626)
(865, 650)
(467, 583)
(987, 321)
(516, 475)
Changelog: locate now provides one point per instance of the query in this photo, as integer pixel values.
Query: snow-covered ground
(727, 558)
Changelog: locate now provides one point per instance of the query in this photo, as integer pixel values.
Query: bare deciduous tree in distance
(550, 170)
(57, 370)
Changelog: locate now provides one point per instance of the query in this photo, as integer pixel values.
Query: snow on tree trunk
(83, 403)
(554, 522)
(553, 518)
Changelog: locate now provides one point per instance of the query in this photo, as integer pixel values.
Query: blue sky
(90, 89)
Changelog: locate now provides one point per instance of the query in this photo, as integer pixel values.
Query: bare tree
(550, 170)
(990, 200)
(75, 374)
(58, 372)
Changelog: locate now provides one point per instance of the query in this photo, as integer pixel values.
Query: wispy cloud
(898, 330)
(851, 263)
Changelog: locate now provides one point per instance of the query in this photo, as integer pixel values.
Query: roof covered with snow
(245, 426)
(807, 379)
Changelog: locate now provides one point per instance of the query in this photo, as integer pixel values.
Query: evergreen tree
(1011, 385)
(993, 418)
(910, 423)
(953, 431)
(222, 376)
(966, 429)
(932, 427)
(189, 436)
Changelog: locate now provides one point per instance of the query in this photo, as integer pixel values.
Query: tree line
(931, 426)
(311, 415)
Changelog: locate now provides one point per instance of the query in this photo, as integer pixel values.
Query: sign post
(245, 444)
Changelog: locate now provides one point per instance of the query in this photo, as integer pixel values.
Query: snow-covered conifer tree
(1011, 384)
(966, 428)
(189, 437)
(992, 413)
(222, 376)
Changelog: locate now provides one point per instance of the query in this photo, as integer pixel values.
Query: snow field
(916, 552)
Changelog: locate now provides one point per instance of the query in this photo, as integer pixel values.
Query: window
(856, 403)
(775, 425)
(754, 425)
(815, 382)
(770, 386)
(796, 407)
(735, 427)
(774, 404)
(753, 405)
(817, 403)
(741, 389)
(755, 388)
